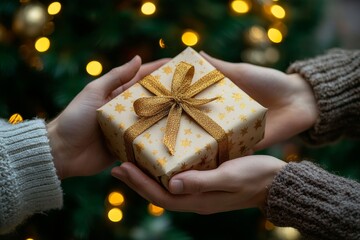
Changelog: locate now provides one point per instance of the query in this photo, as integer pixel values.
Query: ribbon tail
(214, 129)
(172, 128)
(138, 128)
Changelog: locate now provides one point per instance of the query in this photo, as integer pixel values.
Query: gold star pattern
(243, 117)
(244, 131)
(127, 94)
(186, 142)
(161, 161)
(221, 116)
(237, 97)
(188, 131)
(119, 108)
(121, 126)
(201, 61)
(167, 70)
(242, 106)
(221, 82)
(110, 118)
(139, 147)
(154, 152)
(258, 124)
(229, 108)
(157, 77)
(197, 150)
(208, 147)
(147, 135)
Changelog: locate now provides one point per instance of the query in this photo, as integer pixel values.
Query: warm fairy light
(115, 215)
(287, 233)
(116, 198)
(275, 35)
(162, 43)
(94, 68)
(15, 118)
(155, 210)
(54, 8)
(190, 38)
(257, 35)
(148, 8)
(278, 11)
(29, 239)
(240, 6)
(42, 44)
(269, 225)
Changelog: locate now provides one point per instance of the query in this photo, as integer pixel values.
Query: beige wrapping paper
(242, 118)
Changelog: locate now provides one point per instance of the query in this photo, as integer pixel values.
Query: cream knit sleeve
(28, 180)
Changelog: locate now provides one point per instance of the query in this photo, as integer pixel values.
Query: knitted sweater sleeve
(303, 195)
(28, 180)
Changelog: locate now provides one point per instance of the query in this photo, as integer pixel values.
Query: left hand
(236, 184)
(76, 140)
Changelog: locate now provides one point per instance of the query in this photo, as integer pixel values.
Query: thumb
(119, 76)
(194, 181)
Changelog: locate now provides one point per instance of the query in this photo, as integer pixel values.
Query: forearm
(335, 80)
(320, 205)
(28, 180)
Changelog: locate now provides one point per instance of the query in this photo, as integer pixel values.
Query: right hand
(290, 100)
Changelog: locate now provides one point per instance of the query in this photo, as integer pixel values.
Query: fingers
(145, 69)
(118, 76)
(194, 181)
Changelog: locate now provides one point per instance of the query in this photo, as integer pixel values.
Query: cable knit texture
(302, 195)
(28, 180)
(335, 79)
(319, 204)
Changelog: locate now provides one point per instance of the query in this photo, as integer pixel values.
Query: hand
(290, 100)
(235, 184)
(77, 144)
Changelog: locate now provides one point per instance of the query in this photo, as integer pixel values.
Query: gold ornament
(30, 20)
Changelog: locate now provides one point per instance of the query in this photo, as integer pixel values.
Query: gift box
(185, 115)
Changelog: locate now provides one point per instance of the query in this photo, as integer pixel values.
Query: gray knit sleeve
(28, 180)
(319, 204)
(335, 79)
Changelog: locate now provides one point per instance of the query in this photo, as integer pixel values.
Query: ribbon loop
(171, 104)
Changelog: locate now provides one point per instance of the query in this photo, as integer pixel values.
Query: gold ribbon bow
(165, 103)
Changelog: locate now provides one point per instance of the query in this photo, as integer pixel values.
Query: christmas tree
(50, 50)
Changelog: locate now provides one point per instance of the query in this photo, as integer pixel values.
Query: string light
(155, 210)
(148, 8)
(94, 68)
(115, 215)
(54, 8)
(278, 11)
(240, 6)
(29, 239)
(269, 225)
(190, 38)
(287, 233)
(42, 44)
(275, 35)
(15, 118)
(162, 43)
(116, 198)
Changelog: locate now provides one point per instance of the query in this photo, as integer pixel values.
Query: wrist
(56, 148)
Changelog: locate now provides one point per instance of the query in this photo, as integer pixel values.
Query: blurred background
(50, 50)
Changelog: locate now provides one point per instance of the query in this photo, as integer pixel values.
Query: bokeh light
(54, 8)
(278, 11)
(148, 8)
(94, 68)
(116, 198)
(275, 35)
(190, 38)
(240, 6)
(15, 118)
(42, 44)
(155, 210)
(115, 215)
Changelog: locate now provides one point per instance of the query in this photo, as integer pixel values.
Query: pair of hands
(78, 148)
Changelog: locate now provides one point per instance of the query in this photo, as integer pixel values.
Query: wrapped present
(185, 115)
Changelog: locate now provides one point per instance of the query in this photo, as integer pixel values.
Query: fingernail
(133, 59)
(116, 173)
(176, 186)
